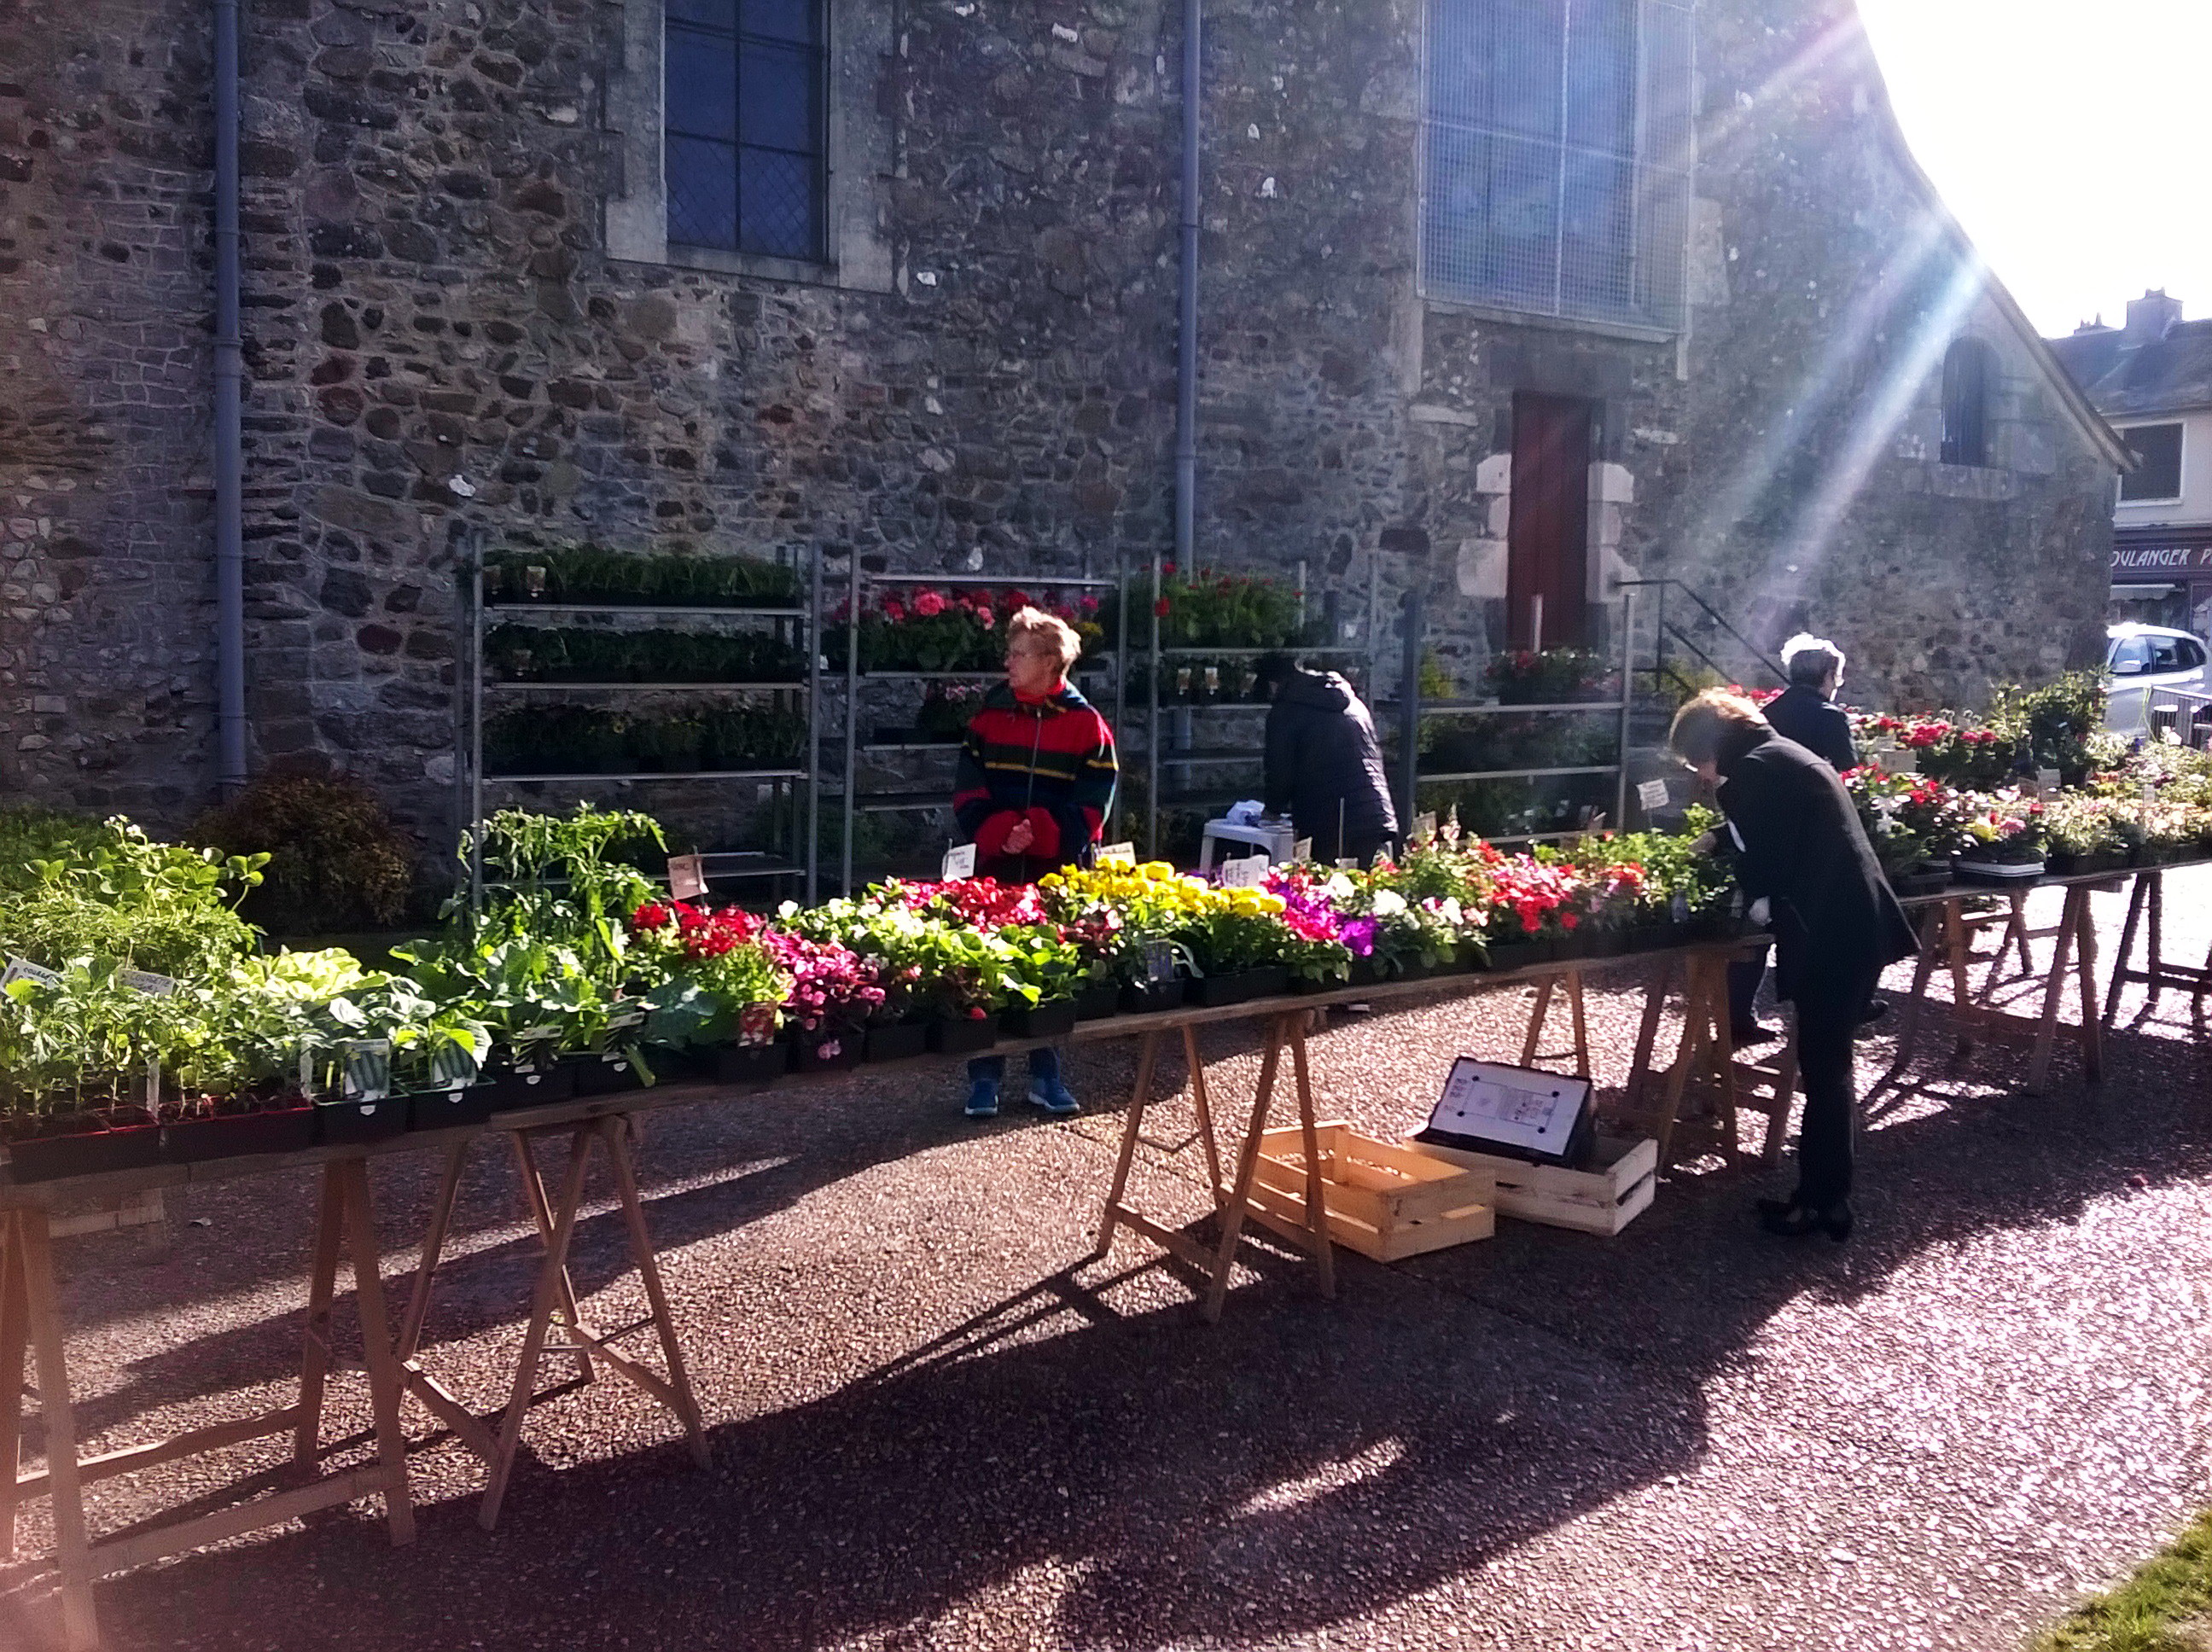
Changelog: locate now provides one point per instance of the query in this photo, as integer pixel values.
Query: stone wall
(442, 353)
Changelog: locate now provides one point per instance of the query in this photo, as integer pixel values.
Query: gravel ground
(935, 1423)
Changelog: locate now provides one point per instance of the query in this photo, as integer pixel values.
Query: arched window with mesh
(1969, 371)
(746, 124)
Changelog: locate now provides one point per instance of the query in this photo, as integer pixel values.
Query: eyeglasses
(1052, 654)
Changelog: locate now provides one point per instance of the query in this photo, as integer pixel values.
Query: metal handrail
(1711, 613)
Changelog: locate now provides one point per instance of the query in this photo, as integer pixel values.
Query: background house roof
(2125, 374)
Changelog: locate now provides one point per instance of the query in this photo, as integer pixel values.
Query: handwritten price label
(1117, 854)
(687, 877)
(959, 863)
(1248, 873)
(1652, 795)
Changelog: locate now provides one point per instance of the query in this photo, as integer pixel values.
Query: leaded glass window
(745, 121)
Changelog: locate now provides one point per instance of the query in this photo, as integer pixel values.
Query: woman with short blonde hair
(1034, 626)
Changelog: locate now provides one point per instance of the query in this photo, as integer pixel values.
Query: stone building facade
(465, 324)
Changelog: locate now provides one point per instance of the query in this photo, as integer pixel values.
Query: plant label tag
(1117, 854)
(1424, 826)
(307, 1074)
(1159, 961)
(628, 1019)
(2149, 792)
(24, 969)
(1250, 872)
(367, 1068)
(1347, 863)
(1679, 908)
(1302, 851)
(154, 1085)
(144, 981)
(687, 877)
(1652, 795)
(2050, 780)
(959, 863)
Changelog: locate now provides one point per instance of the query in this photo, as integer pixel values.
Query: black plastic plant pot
(1413, 968)
(239, 1135)
(609, 1074)
(1144, 996)
(1605, 942)
(1214, 991)
(1364, 972)
(1054, 1019)
(832, 1053)
(1097, 1001)
(898, 1043)
(449, 1110)
(1517, 955)
(351, 1121)
(672, 1066)
(513, 1088)
(751, 1064)
(1269, 980)
(963, 1036)
(95, 1153)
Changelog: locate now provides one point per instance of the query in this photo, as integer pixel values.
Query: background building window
(1968, 371)
(1558, 143)
(2157, 475)
(746, 132)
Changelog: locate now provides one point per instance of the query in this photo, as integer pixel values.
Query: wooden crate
(1382, 1201)
(1603, 1200)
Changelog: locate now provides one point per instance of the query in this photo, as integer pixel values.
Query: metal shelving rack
(799, 623)
(857, 585)
(1158, 755)
(1411, 709)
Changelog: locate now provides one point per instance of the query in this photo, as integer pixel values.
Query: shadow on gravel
(1139, 1481)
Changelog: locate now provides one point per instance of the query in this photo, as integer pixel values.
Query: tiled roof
(2124, 377)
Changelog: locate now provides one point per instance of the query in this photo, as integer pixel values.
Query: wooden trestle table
(31, 1329)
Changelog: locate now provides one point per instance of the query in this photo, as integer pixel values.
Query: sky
(2069, 137)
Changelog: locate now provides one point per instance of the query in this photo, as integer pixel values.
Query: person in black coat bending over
(1805, 712)
(1805, 866)
(1324, 765)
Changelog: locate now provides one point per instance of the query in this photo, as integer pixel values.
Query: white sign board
(1515, 1106)
(687, 877)
(1248, 872)
(1117, 854)
(1302, 851)
(1652, 795)
(959, 863)
(1425, 827)
(24, 969)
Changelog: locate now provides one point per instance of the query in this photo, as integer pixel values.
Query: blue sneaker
(983, 1099)
(1052, 1096)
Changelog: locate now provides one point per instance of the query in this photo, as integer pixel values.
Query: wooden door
(1548, 539)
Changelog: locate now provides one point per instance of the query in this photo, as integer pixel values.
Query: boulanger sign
(2161, 559)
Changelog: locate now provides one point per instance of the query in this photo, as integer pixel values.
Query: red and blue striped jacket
(1048, 762)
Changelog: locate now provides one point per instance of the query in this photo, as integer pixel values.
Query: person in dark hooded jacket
(1324, 765)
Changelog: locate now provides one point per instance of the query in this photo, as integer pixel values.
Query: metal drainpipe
(1187, 301)
(229, 463)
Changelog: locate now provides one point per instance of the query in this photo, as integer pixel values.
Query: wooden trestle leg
(1232, 1201)
(30, 1317)
(1570, 984)
(552, 1306)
